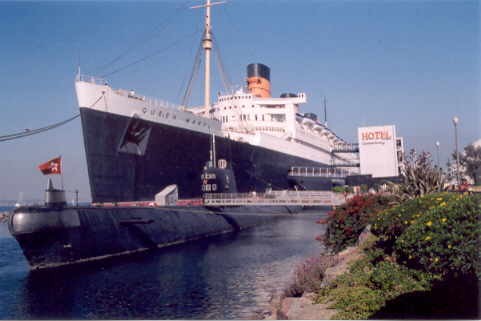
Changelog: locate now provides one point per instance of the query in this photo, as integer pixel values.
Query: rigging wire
(188, 69)
(193, 76)
(245, 45)
(36, 131)
(222, 70)
(149, 35)
(233, 52)
(153, 54)
(43, 129)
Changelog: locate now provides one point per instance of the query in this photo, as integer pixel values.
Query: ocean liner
(136, 145)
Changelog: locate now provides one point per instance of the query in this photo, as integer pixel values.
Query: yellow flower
(427, 238)
(429, 223)
(442, 204)
(422, 195)
(444, 220)
(439, 199)
(412, 222)
(399, 215)
(405, 222)
(410, 257)
(436, 259)
(402, 210)
(449, 246)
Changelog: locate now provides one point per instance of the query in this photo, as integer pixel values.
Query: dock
(304, 198)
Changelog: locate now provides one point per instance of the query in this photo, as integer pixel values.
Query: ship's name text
(173, 116)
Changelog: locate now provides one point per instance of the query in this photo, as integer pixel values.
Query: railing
(129, 93)
(320, 172)
(91, 79)
(347, 147)
(344, 162)
(304, 198)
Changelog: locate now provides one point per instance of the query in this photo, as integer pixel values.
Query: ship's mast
(207, 42)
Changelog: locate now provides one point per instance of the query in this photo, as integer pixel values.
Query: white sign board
(377, 151)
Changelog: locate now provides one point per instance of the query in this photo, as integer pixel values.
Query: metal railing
(344, 162)
(304, 198)
(320, 172)
(129, 93)
(347, 147)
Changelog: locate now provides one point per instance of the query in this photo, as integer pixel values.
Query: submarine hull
(51, 237)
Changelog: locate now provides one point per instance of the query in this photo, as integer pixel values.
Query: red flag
(51, 167)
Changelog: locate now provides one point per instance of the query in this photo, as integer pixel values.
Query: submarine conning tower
(54, 197)
(259, 80)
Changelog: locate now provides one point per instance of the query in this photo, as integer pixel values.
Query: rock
(255, 316)
(275, 303)
(285, 306)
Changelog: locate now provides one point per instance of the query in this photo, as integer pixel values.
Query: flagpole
(61, 171)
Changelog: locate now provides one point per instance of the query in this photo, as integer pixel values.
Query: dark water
(226, 277)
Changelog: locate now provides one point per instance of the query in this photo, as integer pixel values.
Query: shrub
(350, 189)
(308, 275)
(393, 221)
(418, 178)
(339, 189)
(347, 221)
(363, 188)
(368, 287)
(446, 239)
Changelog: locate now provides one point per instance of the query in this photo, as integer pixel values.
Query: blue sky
(414, 64)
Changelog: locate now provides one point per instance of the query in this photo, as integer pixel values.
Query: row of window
(230, 107)
(248, 117)
(258, 128)
(236, 97)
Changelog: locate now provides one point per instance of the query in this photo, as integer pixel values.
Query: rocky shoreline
(303, 308)
(4, 216)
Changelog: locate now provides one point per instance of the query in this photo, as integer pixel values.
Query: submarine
(56, 234)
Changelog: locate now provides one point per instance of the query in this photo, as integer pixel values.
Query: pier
(304, 198)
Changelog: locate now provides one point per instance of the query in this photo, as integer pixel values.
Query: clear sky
(412, 64)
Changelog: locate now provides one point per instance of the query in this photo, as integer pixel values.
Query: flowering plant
(393, 221)
(446, 239)
(347, 221)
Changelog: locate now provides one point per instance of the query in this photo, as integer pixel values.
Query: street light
(437, 147)
(455, 121)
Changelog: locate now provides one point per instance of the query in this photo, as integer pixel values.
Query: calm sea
(226, 277)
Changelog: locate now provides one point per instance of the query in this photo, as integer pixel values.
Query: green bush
(445, 239)
(350, 189)
(363, 188)
(347, 221)
(367, 288)
(393, 221)
(339, 189)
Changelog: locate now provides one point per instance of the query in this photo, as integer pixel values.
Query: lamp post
(455, 121)
(437, 148)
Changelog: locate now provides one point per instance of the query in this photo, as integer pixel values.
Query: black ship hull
(131, 159)
(51, 237)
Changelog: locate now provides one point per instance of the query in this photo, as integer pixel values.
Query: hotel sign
(375, 137)
(377, 150)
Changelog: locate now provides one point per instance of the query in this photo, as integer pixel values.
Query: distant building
(380, 151)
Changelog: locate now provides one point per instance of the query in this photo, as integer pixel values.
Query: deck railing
(129, 93)
(321, 172)
(304, 198)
